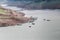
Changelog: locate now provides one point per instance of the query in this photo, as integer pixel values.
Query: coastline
(12, 16)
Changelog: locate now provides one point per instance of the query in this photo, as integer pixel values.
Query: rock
(12, 18)
(44, 19)
(48, 20)
(19, 23)
(32, 19)
(33, 23)
(29, 26)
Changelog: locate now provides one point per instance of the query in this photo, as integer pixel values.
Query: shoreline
(13, 16)
(21, 9)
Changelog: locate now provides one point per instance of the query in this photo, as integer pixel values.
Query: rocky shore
(12, 17)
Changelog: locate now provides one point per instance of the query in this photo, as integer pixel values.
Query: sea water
(42, 30)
